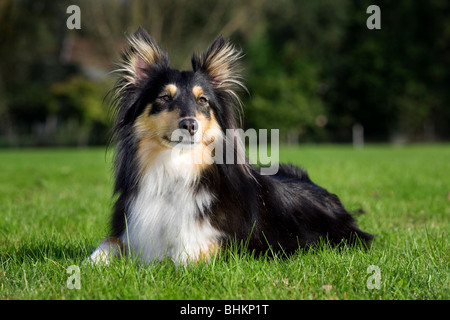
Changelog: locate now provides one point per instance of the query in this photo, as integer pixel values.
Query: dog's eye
(166, 98)
(202, 100)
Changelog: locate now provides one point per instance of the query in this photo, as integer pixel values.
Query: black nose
(189, 124)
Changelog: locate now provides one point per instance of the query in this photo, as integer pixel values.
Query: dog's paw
(105, 253)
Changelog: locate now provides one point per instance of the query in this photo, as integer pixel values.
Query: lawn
(55, 206)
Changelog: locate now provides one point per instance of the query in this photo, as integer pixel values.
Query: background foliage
(313, 68)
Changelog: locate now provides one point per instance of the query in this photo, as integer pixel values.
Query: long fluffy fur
(167, 208)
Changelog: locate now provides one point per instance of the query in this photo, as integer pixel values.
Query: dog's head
(168, 107)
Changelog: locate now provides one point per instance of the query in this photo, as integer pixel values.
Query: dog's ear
(221, 64)
(142, 56)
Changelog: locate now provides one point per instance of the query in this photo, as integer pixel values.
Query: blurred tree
(30, 38)
(76, 100)
(287, 56)
(313, 68)
(393, 80)
(179, 26)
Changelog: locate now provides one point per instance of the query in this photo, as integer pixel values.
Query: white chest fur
(165, 216)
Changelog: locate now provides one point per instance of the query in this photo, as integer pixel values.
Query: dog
(168, 205)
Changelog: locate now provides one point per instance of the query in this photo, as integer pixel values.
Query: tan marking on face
(170, 89)
(197, 91)
(211, 132)
(151, 131)
(210, 127)
(158, 125)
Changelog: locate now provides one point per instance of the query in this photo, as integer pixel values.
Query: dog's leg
(205, 255)
(106, 252)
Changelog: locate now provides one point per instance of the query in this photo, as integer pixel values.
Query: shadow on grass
(47, 248)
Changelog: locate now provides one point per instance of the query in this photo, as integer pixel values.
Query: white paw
(105, 253)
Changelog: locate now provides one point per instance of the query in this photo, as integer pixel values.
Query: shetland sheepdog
(167, 204)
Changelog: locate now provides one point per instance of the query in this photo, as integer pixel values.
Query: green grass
(55, 206)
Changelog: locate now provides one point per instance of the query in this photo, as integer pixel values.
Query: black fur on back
(283, 213)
